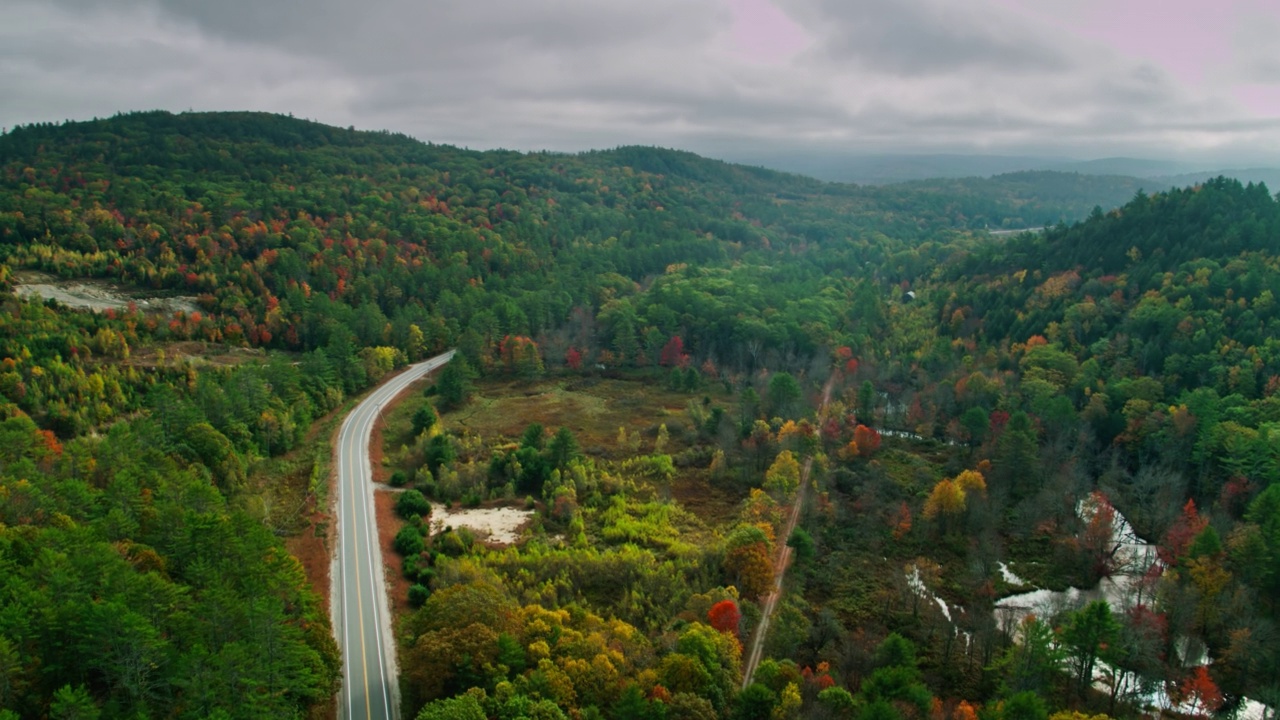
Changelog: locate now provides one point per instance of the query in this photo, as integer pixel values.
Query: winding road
(361, 618)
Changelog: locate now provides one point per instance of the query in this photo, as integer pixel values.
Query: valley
(676, 382)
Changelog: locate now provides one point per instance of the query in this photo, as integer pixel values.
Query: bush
(412, 502)
(398, 479)
(802, 543)
(408, 541)
(424, 419)
(454, 543)
(418, 595)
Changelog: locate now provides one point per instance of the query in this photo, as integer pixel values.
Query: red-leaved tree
(1201, 692)
(673, 353)
(1178, 539)
(868, 440)
(725, 616)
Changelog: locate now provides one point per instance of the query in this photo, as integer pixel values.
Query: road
(361, 618)
(770, 601)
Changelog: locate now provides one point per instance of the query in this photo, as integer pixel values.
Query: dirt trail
(784, 556)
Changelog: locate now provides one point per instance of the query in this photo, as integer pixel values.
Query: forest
(660, 355)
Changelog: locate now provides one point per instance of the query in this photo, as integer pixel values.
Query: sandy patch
(97, 295)
(493, 526)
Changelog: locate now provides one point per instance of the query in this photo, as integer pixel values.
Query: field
(593, 409)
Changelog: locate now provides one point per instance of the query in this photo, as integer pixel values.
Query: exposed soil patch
(98, 295)
(194, 352)
(496, 526)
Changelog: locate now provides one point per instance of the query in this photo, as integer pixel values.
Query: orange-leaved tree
(725, 616)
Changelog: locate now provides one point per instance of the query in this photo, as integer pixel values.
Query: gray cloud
(887, 75)
(915, 37)
(1256, 54)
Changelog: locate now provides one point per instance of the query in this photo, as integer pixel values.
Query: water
(1122, 590)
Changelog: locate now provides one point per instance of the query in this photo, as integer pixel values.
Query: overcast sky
(1077, 78)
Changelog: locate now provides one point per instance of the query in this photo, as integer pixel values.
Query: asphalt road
(362, 620)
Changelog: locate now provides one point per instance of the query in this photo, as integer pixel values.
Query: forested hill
(1156, 325)
(1153, 233)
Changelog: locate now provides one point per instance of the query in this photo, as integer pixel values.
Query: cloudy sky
(1075, 78)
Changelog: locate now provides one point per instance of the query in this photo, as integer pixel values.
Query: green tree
(802, 542)
(838, 703)
(784, 395)
(1024, 706)
(867, 403)
(424, 419)
(1264, 512)
(563, 448)
(455, 383)
(440, 452)
(1017, 457)
(1088, 632)
(895, 651)
(535, 437)
(975, 421)
(11, 675)
(73, 703)
(1033, 660)
(755, 702)
(465, 707)
(408, 541)
(411, 503)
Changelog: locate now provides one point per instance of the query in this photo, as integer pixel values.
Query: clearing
(98, 295)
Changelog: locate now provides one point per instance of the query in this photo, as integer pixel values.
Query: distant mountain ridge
(887, 169)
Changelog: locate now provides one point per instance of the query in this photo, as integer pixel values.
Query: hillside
(651, 347)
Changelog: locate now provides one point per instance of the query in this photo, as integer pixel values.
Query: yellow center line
(364, 663)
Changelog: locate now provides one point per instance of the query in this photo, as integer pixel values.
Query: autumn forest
(688, 378)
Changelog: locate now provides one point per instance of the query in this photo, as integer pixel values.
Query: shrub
(408, 541)
(418, 594)
(412, 502)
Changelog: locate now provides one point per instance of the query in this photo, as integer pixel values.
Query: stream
(1122, 590)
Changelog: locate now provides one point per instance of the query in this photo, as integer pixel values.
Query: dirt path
(784, 556)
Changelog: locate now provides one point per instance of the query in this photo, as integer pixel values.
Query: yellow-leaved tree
(783, 476)
(946, 502)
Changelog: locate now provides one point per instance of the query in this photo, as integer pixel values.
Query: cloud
(884, 75)
(1255, 54)
(64, 63)
(926, 37)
